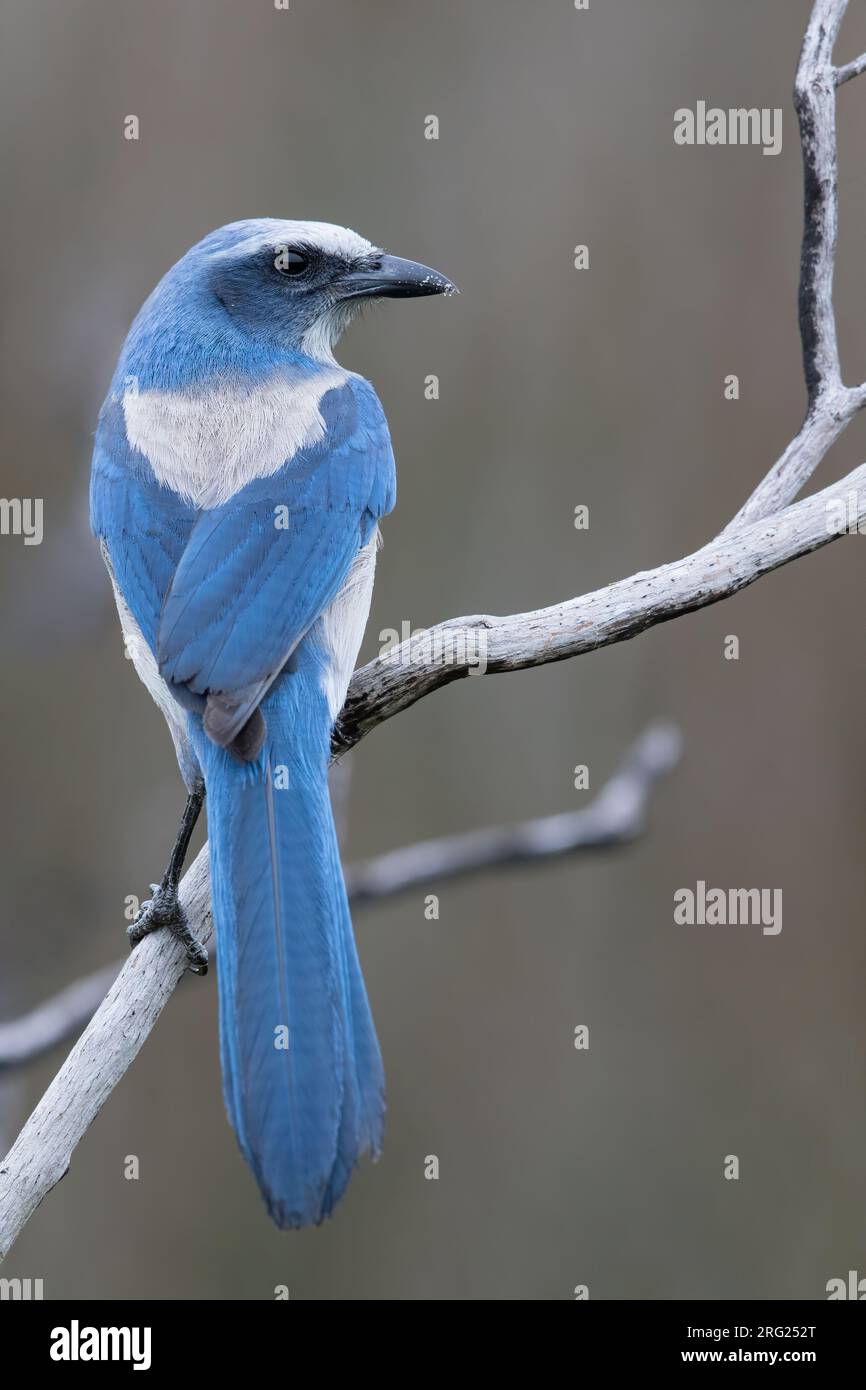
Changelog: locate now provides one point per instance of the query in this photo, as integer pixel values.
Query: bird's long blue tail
(302, 1072)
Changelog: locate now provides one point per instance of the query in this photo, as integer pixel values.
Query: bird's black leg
(164, 908)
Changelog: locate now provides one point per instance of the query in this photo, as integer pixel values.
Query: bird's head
(295, 285)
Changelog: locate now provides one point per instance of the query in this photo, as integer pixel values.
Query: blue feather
(287, 964)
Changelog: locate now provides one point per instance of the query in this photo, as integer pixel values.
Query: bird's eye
(290, 262)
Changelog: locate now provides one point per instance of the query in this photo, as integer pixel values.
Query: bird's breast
(208, 443)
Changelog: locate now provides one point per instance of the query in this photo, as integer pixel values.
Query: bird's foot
(164, 910)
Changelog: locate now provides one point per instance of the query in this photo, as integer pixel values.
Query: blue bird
(239, 478)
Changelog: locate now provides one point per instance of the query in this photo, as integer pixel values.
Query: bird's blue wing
(144, 527)
(259, 570)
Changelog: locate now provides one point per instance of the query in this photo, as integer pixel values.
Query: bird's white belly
(340, 629)
(143, 660)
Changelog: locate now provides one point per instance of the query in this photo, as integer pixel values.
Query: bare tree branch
(614, 817)
(761, 538)
(815, 104)
(851, 70)
(43, 1150)
(619, 611)
(831, 406)
(26, 1038)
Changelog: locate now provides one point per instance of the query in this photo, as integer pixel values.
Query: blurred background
(557, 387)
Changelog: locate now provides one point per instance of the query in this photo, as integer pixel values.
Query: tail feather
(302, 1072)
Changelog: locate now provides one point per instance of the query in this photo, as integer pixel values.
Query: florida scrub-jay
(239, 477)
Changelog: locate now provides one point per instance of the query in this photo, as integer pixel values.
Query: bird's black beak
(393, 278)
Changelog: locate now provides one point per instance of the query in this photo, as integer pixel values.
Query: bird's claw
(164, 909)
